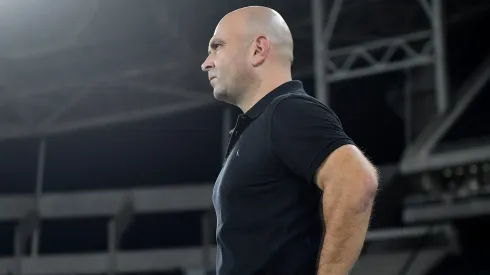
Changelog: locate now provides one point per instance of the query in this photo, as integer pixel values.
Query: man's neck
(260, 92)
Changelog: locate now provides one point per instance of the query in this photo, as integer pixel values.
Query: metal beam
(383, 43)
(340, 62)
(469, 12)
(319, 51)
(440, 64)
(426, 7)
(187, 197)
(470, 89)
(96, 263)
(170, 109)
(332, 21)
(74, 100)
(459, 157)
(451, 158)
(418, 153)
(402, 238)
(150, 88)
(191, 259)
(385, 260)
(81, 83)
(23, 231)
(392, 262)
(116, 226)
(407, 107)
(446, 211)
(41, 160)
(82, 64)
(405, 232)
(380, 68)
(327, 36)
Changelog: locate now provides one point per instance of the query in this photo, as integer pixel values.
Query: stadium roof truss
(330, 65)
(420, 156)
(375, 57)
(52, 110)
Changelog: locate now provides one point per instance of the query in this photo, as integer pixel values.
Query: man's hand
(349, 183)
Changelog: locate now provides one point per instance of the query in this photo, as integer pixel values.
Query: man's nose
(207, 65)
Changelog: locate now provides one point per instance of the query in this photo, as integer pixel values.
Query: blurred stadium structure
(111, 64)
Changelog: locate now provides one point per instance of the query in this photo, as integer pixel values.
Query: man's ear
(261, 49)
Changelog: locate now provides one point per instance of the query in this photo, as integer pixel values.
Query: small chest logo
(238, 152)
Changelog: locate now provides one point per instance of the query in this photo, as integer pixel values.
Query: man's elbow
(348, 175)
(371, 180)
(368, 189)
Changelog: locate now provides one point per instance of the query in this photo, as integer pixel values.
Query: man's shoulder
(299, 96)
(298, 103)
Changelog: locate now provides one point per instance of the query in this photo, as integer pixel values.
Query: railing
(120, 207)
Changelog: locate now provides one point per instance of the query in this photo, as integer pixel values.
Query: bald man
(290, 170)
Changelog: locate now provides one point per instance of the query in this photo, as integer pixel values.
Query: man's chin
(219, 95)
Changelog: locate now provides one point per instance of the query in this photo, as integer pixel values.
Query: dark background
(186, 148)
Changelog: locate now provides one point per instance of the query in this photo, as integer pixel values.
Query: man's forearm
(347, 216)
(349, 183)
(343, 241)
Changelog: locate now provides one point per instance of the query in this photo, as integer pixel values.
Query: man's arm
(349, 183)
(309, 139)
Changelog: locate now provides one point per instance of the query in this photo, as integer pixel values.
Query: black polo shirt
(268, 207)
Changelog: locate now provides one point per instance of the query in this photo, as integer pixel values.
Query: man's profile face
(226, 63)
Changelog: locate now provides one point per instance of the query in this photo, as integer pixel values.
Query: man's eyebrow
(213, 43)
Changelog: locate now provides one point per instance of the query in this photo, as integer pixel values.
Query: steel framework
(332, 65)
(419, 156)
(122, 205)
(61, 90)
(50, 124)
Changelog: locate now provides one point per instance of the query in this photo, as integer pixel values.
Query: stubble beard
(233, 90)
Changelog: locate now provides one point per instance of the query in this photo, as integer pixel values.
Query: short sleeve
(304, 133)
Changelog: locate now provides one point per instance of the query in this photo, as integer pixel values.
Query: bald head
(254, 21)
(250, 54)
